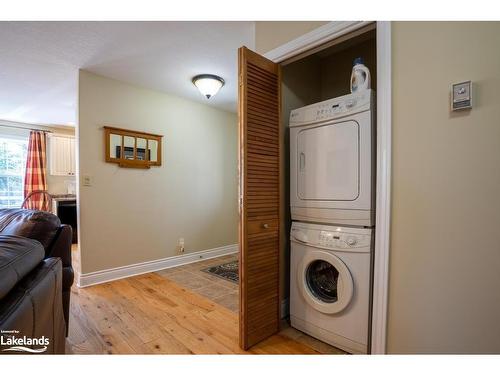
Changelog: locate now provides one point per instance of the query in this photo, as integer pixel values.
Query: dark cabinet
(66, 211)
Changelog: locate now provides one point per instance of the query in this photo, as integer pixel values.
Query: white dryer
(330, 284)
(332, 161)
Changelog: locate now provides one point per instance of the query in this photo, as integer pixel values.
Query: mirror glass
(153, 150)
(128, 145)
(141, 149)
(132, 149)
(115, 144)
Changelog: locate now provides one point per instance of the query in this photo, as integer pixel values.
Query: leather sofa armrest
(34, 307)
(61, 246)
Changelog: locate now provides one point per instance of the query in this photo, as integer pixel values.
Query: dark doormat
(226, 271)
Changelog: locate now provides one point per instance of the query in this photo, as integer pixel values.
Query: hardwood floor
(150, 314)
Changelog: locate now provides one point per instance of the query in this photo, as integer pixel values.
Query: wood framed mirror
(132, 149)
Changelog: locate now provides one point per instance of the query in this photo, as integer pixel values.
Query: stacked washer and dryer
(332, 159)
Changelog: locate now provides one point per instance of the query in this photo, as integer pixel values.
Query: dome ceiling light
(208, 84)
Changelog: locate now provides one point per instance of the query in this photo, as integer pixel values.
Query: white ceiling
(40, 60)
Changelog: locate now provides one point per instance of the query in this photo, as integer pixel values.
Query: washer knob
(351, 241)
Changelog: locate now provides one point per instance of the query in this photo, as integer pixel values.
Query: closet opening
(321, 74)
(268, 93)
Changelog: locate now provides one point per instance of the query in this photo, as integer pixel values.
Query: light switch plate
(86, 180)
(461, 96)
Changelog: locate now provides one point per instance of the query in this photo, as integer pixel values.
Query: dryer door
(328, 162)
(325, 282)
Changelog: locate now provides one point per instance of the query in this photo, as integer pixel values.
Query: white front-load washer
(330, 282)
(332, 161)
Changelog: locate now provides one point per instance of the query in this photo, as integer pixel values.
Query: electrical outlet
(180, 246)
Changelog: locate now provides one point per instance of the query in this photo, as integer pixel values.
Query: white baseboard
(104, 276)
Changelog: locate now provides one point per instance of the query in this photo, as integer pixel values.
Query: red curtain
(36, 174)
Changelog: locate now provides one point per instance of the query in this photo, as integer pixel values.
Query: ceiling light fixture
(208, 84)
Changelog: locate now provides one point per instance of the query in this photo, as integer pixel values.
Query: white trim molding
(324, 34)
(105, 276)
(383, 198)
(314, 38)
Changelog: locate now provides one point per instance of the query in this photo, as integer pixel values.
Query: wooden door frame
(317, 37)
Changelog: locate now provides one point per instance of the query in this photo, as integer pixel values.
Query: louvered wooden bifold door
(259, 147)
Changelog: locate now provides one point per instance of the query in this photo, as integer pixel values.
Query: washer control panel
(329, 237)
(342, 240)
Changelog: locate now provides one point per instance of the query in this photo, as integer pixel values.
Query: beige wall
(445, 238)
(272, 34)
(129, 216)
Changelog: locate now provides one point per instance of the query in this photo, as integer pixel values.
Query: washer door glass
(325, 281)
(322, 279)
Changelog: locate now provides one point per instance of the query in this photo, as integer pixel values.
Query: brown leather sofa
(31, 309)
(55, 238)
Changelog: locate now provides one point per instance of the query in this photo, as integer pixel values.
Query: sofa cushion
(38, 225)
(18, 256)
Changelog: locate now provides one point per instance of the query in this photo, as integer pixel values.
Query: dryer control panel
(332, 108)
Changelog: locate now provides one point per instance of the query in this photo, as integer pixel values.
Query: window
(12, 166)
